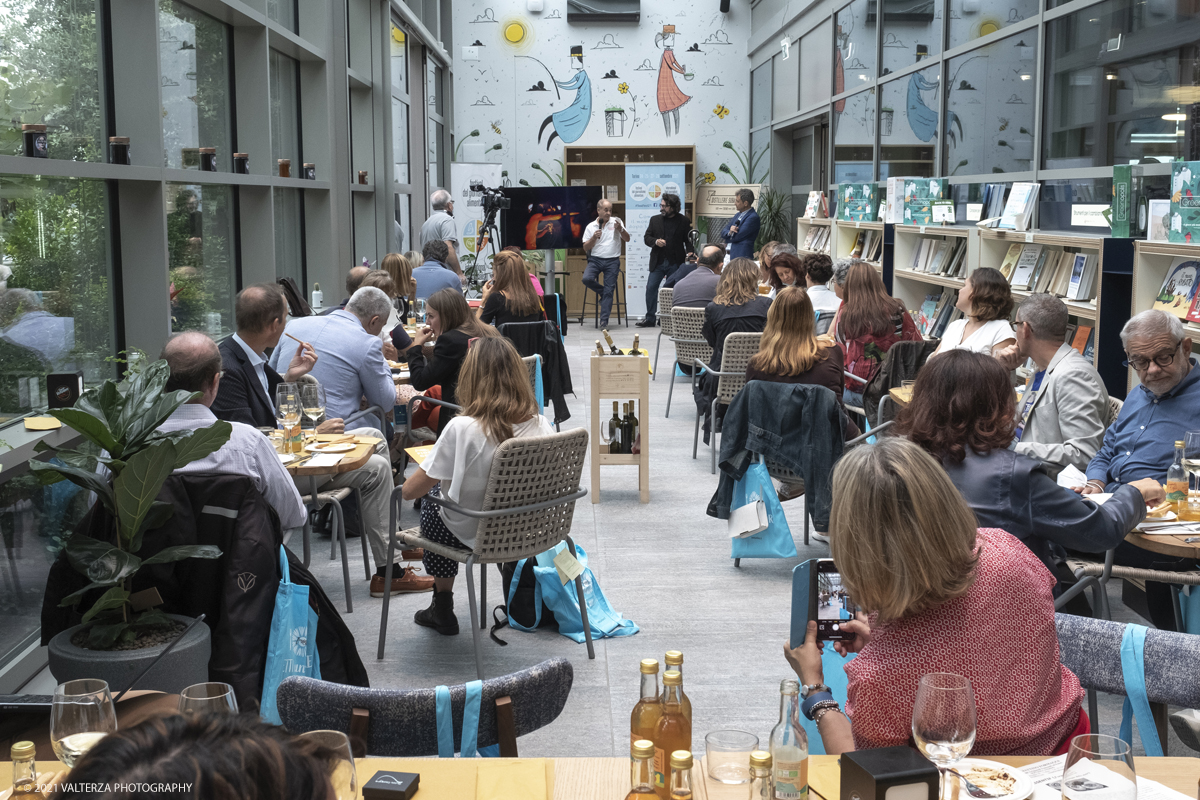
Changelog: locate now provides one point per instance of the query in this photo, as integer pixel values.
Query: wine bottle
(600, 349)
(634, 351)
(615, 431)
(616, 351)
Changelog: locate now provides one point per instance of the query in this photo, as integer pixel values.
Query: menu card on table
(324, 460)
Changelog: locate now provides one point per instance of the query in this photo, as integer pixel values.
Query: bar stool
(618, 302)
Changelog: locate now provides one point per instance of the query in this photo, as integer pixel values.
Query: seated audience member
(508, 296)
(1064, 412)
(962, 414)
(400, 268)
(27, 324)
(699, 286)
(537, 286)
(940, 595)
(986, 300)
(433, 275)
(354, 279)
(791, 352)
(765, 254)
(868, 323)
(841, 269)
(498, 405)
(452, 324)
(382, 280)
(195, 364)
(219, 756)
(350, 364)
(786, 270)
(737, 308)
(1140, 443)
(818, 272)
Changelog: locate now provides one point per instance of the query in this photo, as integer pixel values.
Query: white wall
(492, 95)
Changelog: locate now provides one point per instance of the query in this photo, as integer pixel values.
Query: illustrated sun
(516, 33)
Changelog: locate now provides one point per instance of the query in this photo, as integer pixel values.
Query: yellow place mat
(625, 351)
(419, 454)
(42, 424)
(470, 778)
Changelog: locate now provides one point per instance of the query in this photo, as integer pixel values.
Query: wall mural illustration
(670, 98)
(570, 123)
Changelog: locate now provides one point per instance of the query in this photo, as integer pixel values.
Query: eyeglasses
(1162, 360)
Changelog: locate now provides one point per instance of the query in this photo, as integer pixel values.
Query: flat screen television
(603, 11)
(548, 217)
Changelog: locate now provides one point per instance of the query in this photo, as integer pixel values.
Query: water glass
(81, 714)
(1099, 765)
(341, 769)
(943, 723)
(208, 698)
(727, 754)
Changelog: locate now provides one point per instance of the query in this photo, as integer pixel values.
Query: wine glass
(1191, 464)
(312, 400)
(81, 714)
(420, 311)
(287, 407)
(208, 698)
(1096, 761)
(341, 770)
(943, 724)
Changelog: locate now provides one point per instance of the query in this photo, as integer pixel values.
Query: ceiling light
(1174, 117)
(1146, 138)
(1026, 77)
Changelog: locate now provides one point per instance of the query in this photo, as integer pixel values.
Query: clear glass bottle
(1177, 483)
(641, 778)
(24, 768)
(672, 732)
(649, 708)
(681, 775)
(674, 660)
(762, 776)
(789, 746)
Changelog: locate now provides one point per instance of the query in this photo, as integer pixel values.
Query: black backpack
(521, 608)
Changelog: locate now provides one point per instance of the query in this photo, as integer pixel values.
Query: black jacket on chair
(542, 338)
(901, 363)
(240, 395)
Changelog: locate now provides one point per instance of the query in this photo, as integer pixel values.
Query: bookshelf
(806, 224)
(1151, 261)
(913, 286)
(994, 245)
(845, 232)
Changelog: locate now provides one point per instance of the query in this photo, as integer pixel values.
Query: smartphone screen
(833, 603)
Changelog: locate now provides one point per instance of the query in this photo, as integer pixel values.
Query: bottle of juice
(674, 660)
(762, 777)
(641, 780)
(24, 767)
(1177, 484)
(672, 732)
(681, 775)
(649, 708)
(789, 746)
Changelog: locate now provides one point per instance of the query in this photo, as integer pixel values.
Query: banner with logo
(645, 185)
(468, 205)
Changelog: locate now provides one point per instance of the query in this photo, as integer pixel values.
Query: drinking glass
(312, 400)
(1099, 762)
(943, 723)
(81, 714)
(1191, 463)
(341, 770)
(420, 311)
(208, 698)
(727, 754)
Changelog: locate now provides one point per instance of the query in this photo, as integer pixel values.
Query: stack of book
(857, 201)
(1018, 210)
(993, 200)
(868, 245)
(1184, 227)
(817, 207)
(817, 239)
(919, 194)
(1037, 268)
(937, 312)
(939, 257)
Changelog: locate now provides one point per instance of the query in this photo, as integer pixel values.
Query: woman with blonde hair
(940, 595)
(509, 296)
(498, 405)
(400, 268)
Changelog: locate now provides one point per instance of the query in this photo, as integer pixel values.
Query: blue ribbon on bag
(1133, 668)
(470, 729)
(538, 391)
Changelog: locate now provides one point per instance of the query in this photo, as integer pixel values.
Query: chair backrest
(666, 298)
(1091, 648)
(404, 721)
(527, 471)
(531, 364)
(687, 332)
(739, 349)
(824, 322)
(1114, 409)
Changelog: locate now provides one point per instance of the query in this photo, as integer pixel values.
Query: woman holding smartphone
(940, 595)
(452, 326)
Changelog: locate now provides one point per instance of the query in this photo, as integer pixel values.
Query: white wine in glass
(81, 714)
(312, 400)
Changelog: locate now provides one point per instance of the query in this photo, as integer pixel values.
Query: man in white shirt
(602, 240)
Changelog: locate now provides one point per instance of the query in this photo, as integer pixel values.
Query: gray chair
(336, 497)
(666, 298)
(1091, 648)
(528, 507)
(687, 334)
(1114, 409)
(735, 357)
(402, 723)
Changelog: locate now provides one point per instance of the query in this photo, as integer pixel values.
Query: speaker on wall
(724, 6)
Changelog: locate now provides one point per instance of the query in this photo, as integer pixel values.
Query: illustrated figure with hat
(570, 123)
(670, 98)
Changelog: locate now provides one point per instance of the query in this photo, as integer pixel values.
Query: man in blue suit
(742, 229)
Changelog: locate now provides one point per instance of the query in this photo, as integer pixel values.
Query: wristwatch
(811, 688)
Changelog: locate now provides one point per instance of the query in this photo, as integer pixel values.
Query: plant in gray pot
(121, 631)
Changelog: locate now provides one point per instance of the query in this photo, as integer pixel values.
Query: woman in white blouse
(986, 300)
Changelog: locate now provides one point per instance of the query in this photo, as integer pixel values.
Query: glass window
(912, 31)
(760, 159)
(56, 309)
(433, 87)
(855, 46)
(1113, 96)
(49, 75)
(401, 238)
(283, 12)
(289, 236)
(815, 82)
(285, 108)
(854, 138)
(908, 124)
(400, 140)
(989, 108)
(802, 159)
(786, 84)
(760, 96)
(399, 61)
(435, 153)
(193, 55)
(970, 19)
(200, 251)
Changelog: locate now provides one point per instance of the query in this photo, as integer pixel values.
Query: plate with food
(1162, 512)
(1004, 782)
(330, 447)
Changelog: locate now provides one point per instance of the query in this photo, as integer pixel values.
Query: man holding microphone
(602, 240)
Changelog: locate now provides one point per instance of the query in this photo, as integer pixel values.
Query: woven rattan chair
(527, 509)
(1095, 575)
(687, 333)
(1114, 409)
(666, 297)
(739, 349)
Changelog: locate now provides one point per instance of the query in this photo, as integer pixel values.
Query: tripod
(490, 234)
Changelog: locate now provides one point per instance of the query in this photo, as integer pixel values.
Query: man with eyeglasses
(1140, 443)
(667, 238)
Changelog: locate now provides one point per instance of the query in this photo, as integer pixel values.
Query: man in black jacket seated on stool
(667, 238)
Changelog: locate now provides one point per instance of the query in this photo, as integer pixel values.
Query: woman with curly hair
(786, 270)
(986, 300)
(963, 413)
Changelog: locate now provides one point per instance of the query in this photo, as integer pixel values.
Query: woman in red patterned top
(942, 596)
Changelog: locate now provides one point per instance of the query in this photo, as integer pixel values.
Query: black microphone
(724, 6)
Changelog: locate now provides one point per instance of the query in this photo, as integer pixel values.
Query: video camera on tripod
(493, 199)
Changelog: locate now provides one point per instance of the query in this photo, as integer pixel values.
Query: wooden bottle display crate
(621, 378)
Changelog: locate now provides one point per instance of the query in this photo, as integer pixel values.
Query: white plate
(1022, 789)
(330, 447)
(286, 458)
(1170, 516)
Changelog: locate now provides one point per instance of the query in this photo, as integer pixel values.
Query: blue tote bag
(563, 601)
(292, 648)
(774, 542)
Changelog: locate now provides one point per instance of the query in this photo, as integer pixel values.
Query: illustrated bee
(496, 126)
(1003, 123)
(721, 111)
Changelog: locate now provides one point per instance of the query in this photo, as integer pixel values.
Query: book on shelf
(1070, 334)
(1082, 334)
(610, 193)
(1018, 210)
(959, 261)
(1022, 273)
(579, 181)
(919, 194)
(936, 310)
(857, 201)
(856, 250)
(1184, 221)
(1078, 270)
(817, 207)
(1089, 347)
(1061, 281)
(1010, 261)
(941, 253)
(949, 314)
(809, 238)
(927, 312)
(1178, 290)
(1039, 269)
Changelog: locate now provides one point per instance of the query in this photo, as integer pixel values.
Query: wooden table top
(1167, 544)
(902, 395)
(352, 460)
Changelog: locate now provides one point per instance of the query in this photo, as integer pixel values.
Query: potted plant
(121, 632)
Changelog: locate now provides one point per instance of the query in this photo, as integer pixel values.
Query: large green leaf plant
(122, 419)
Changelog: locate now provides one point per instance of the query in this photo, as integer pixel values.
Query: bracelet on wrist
(812, 700)
(823, 709)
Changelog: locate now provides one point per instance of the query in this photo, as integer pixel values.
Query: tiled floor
(665, 565)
